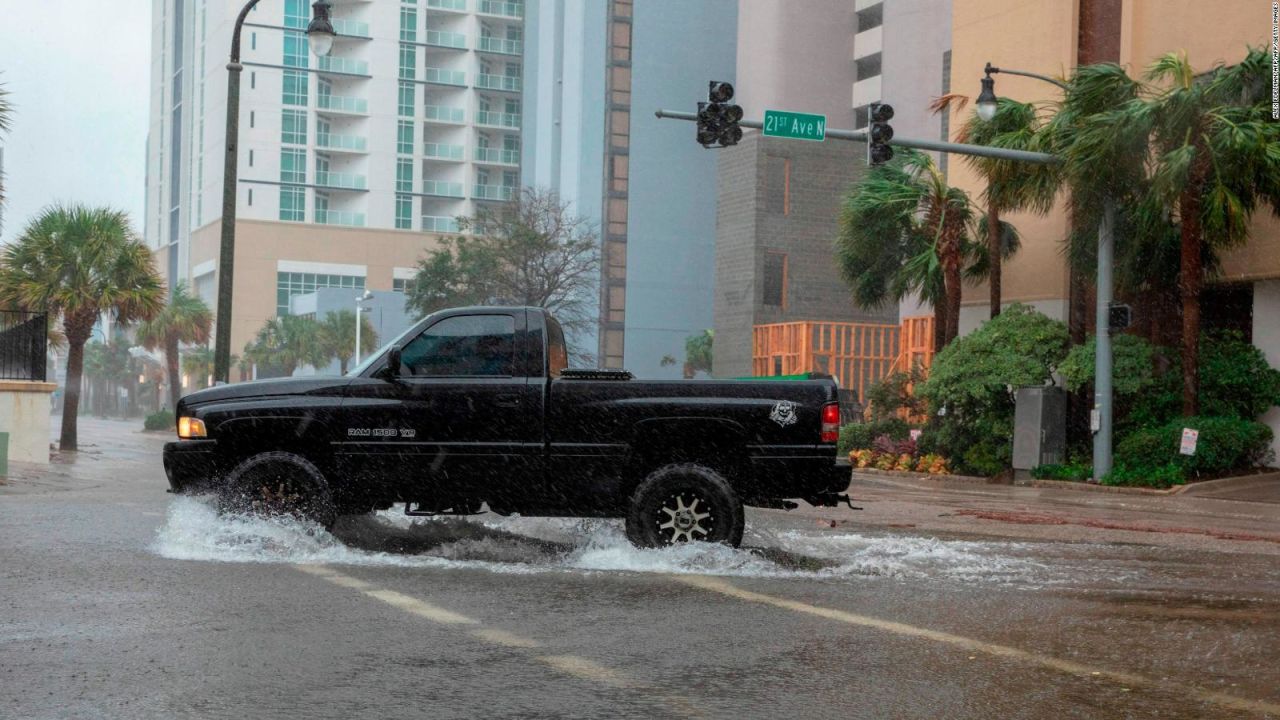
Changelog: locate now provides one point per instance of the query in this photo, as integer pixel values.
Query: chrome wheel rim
(685, 517)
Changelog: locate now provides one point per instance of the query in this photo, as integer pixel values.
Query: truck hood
(268, 388)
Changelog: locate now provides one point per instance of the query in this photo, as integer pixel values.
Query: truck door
(460, 419)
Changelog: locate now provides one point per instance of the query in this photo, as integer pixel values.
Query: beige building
(1051, 38)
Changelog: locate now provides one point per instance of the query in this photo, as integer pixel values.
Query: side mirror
(393, 362)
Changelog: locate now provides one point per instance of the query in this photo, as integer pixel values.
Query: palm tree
(903, 230)
(1011, 186)
(286, 342)
(77, 263)
(1215, 162)
(185, 320)
(338, 332)
(6, 112)
(198, 363)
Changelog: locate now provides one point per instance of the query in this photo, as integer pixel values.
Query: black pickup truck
(475, 406)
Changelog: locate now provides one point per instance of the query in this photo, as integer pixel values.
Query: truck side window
(465, 345)
(557, 353)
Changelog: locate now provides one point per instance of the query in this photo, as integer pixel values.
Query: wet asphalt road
(118, 601)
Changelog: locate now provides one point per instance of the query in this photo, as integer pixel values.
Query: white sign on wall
(1189, 439)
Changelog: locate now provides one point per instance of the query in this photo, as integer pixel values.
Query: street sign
(797, 126)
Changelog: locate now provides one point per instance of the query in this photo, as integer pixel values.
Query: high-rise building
(351, 164)
(597, 72)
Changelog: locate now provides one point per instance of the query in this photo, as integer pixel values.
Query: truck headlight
(189, 427)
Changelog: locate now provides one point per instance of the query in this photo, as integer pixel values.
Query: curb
(962, 481)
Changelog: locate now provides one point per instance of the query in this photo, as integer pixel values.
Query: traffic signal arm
(916, 143)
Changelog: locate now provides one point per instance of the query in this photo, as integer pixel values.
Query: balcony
(442, 151)
(441, 38)
(493, 192)
(446, 77)
(350, 143)
(437, 223)
(444, 113)
(342, 103)
(440, 188)
(497, 156)
(341, 181)
(501, 46)
(351, 28)
(503, 9)
(346, 66)
(496, 82)
(340, 217)
(497, 119)
(454, 5)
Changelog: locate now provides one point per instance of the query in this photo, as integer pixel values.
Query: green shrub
(892, 394)
(1077, 472)
(1224, 444)
(1161, 476)
(162, 420)
(1235, 378)
(1132, 359)
(973, 380)
(859, 436)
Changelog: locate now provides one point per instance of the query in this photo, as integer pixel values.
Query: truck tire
(682, 503)
(275, 484)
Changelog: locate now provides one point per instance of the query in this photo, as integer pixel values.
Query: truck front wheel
(278, 484)
(684, 503)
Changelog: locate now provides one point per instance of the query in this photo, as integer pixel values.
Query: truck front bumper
(190, 465)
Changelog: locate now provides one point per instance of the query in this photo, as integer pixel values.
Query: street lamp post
(321, 34)
(1100, 419)
(359, 318)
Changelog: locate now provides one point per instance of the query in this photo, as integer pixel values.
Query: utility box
(1039, 428)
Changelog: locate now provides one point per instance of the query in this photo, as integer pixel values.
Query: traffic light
(717, 118)
(879, 134)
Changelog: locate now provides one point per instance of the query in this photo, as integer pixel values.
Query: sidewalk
(1187, 519)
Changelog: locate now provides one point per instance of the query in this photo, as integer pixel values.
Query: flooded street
(117, 600)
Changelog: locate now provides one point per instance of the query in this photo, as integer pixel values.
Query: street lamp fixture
(320, 34)
(987, 98)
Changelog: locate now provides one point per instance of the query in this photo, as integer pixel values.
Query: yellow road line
(973, 645)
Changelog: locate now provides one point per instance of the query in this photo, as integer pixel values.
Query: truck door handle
(507, 400)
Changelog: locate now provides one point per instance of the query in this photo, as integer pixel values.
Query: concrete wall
(782, 196)
(1266, 336)
(24, 414)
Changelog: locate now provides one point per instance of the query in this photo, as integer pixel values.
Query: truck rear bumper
(190, 465)
(800, 477)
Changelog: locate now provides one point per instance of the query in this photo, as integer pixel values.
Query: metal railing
(342, 103)
(334, 141)
(438, 223)
(505, 9)
(442, 188)
(328, 63)
(499, 45)
(343, 181)
(460, 5)
(340, 217)
(444, 113)
(498, 156)
(497, 119)
(493, 192)
(446, 77)
(489, 81)
(24, 341)
(351, 28)
(442, 151)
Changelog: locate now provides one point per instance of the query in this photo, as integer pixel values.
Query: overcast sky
(77, 72)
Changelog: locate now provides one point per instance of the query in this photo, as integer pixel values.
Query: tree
(78, 262)
(698, 353)
(184, 320)
(286, 342)
(6, 112)
(339, 336)
(904, 230)
(1216, 160)
(1012, 186)
(198, 363)
(531, 251)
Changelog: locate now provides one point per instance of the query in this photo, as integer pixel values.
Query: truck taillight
(830, 422)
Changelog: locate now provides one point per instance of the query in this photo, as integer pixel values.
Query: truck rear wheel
(278, 484)
(684, 503)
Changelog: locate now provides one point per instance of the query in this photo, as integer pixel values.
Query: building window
(295, 88)
(250, 159)
(872, 17)
(295, 50)
(404, 175)
(404, 137)
(289, 284)
(946, 116)
(775, 279)
(404, 209)
(408, 62)
(293, 127)
(296, 14)
(402, 286)
(250, 197)
(293, 166)
(778, 185)
(409, 24)
(867, 67)
(861, 116)
(406, 99)
(293, 204)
